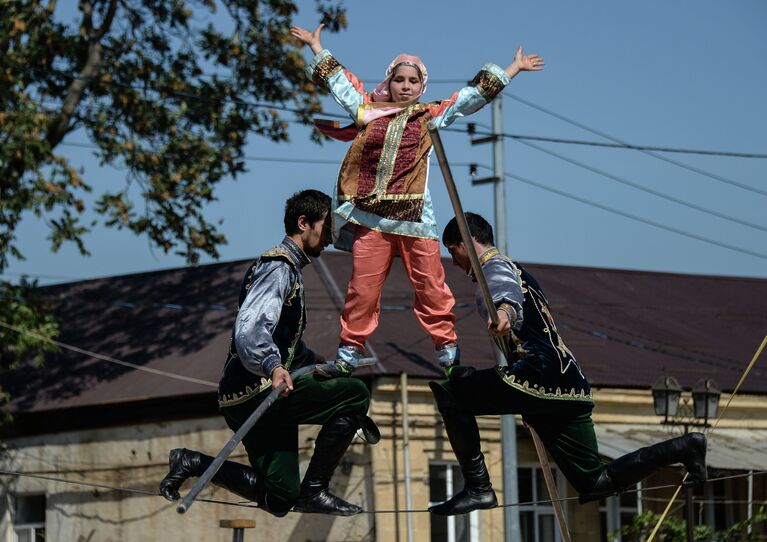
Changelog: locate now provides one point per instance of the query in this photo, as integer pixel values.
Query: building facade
(89, 442)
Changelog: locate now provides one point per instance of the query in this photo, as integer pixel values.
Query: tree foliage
(166, 90)
(674, 529)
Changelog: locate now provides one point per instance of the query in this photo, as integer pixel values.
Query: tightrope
(392, 511)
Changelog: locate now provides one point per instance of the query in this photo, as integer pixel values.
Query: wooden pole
(550, 485)
(226, 451)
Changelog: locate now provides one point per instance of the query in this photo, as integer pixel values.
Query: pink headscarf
(381, 92)
(380, 104)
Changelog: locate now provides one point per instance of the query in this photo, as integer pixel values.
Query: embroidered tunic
(270, 322)
(383, 181)
(539, 362)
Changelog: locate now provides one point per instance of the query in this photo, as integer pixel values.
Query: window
(536, 521)
(29, 518)
(616, 512)
(445, 480)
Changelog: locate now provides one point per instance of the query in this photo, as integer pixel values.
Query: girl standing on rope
(382, 205)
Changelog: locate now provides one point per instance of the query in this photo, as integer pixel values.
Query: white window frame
(540, 509)
(30, 528)
(451, 489)
(613, 511)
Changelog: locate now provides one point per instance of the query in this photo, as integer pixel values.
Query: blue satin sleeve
(341, 88)
(469, 99)
(258, 316)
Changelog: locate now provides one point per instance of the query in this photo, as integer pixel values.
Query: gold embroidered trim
(241, 397)
(300, 331)
(391, 145)
(540, 392)
(384, 197)
(407, 210)
(326, 68)
(280, 252)
(485, 256)
(487, 84)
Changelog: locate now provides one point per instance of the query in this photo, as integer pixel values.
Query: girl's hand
(524, 63)
(312, 39)
(528, 62)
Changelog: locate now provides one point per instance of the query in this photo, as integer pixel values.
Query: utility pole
(508, 423)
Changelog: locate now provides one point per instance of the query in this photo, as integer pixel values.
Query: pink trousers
(373, 253)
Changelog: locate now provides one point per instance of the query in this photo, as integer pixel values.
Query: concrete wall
(136, 457)
(428, 443)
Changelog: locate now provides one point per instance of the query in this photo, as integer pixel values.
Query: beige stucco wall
(136, 457)
(428, 442)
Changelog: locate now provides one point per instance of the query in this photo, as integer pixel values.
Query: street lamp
(666, 393)
(705, 399)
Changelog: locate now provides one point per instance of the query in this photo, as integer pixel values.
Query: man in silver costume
(543, 382)
(266, 344)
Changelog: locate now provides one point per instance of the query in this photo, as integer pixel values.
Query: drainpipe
(406, 457)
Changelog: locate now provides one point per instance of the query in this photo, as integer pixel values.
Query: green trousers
(565, 426)
(272, 444)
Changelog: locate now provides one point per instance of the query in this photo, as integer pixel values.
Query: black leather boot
(235, 477)
(626, 471)
(463, 433)
(331, 445)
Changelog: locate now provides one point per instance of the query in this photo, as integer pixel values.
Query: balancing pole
(328, 369)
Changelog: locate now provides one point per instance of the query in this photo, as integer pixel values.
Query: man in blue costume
(266, 344)
(543, 382)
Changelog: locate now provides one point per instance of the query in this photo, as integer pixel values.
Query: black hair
(312, 204)
(479, 228)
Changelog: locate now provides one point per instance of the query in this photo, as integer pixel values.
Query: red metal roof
(625, 327)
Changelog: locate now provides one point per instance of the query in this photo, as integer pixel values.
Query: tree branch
(61, 126)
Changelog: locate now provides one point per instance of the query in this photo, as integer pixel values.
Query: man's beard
(314, 252)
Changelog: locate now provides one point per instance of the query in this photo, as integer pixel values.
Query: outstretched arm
(311, 39)
(325, 71)
(523, 63)
(488, 83)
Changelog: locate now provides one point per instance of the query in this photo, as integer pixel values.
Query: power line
(635, 147)
(107, 358)
(638, 186)
(618, 144)
(647, 152)
(637, 218)
(566, 195)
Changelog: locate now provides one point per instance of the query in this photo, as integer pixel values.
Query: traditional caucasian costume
(382, 205)
(267, 333)
(543, 382)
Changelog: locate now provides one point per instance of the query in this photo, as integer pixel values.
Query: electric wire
(648, 190)
(649, 153)
(617, 143)
(145, 492)
(603, 207)
(637, 218)
(618, 179)
(109, 359)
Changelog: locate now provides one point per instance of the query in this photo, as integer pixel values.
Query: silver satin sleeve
(502, 280)
(258, 317)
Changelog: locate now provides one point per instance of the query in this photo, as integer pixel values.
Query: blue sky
(688, 74)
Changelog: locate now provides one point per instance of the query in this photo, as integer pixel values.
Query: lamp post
(666, 393)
